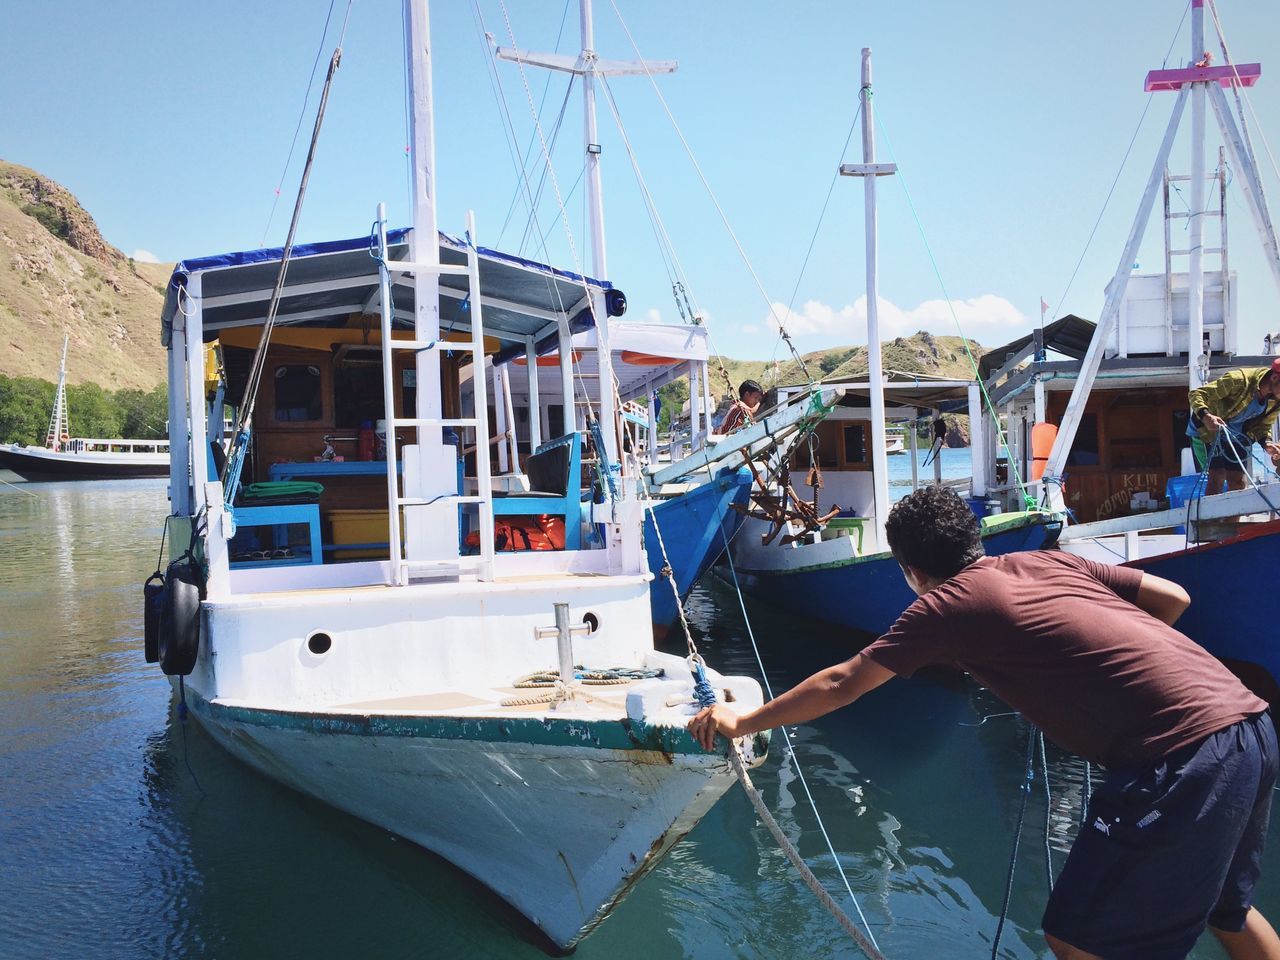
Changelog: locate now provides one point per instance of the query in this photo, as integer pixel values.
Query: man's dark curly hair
(934, 531)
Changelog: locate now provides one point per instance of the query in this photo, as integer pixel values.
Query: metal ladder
(403, 569)
(1218, 176)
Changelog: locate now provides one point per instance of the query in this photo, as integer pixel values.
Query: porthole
(319, 643)
(592, 621)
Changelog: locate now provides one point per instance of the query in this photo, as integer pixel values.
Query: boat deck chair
(554, 471)
(276, 505)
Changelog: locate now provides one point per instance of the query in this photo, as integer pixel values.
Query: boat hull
(38, 464)
(695, 527)
(1234, 602)
(869, 593)
(493, 795)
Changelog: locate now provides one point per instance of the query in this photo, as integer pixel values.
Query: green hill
(921, 353)
(58, 274)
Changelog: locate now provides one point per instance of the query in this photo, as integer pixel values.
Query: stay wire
(528, 150)
(790, 746)
(724, 219)
(1025, 789)
(302, 112)
(1057, 310)
(1239, 90)
(1001, 437)
(245, 414)
(795, 291)
(1048, 811)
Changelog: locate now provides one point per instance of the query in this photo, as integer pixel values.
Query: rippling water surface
(125, 834)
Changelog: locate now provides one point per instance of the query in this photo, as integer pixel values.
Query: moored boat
(1105, 434)
(368, 642)
(64, 457)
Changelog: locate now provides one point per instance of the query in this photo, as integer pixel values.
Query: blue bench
(554, 471)
(278, 517)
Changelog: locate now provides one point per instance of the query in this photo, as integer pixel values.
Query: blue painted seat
(278, 516)
(554, 471)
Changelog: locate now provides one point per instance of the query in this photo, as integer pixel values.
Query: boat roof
(904, 390)
(645, 356)
(327, 282)
(1069, 335)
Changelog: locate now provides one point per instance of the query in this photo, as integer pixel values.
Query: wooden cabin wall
(1139, 437)
(282, 440)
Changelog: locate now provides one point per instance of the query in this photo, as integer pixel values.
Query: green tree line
(27, 403)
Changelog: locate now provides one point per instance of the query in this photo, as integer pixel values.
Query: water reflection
(128, 834)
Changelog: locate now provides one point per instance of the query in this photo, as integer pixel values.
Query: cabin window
(1084, 451)
(357, 393)
(297, 393)
(855, 443)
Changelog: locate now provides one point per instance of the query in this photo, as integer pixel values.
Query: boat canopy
(645, 356)
(328, 282)
(1069, 336)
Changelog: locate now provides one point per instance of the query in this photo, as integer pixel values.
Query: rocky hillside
(58, 274)
(921, 353)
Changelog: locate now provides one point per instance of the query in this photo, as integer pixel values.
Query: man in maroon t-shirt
(1086, 652)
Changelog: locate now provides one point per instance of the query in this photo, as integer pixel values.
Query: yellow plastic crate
(358, 526)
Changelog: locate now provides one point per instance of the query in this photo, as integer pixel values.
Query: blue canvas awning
(327, 282)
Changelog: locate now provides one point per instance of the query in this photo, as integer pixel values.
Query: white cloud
(754, 328)
(989, 319)
(653, 315)
(145, 256)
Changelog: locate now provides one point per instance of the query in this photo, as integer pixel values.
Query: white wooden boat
(388, 686)
(1103, 432)
(834, 563)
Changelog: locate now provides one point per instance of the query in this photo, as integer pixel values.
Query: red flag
(1044, 308)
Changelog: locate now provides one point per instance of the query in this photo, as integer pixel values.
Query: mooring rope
(792, 854)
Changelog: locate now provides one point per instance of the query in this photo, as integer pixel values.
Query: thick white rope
(797, 861)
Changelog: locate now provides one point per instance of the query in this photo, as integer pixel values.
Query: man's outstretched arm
(821, 693)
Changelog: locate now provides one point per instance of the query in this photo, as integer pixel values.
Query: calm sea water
(124, 834)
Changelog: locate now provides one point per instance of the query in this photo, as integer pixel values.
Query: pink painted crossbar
(1226, 76)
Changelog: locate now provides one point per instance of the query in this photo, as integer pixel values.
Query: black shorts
(1169, 848)
(1228, 463)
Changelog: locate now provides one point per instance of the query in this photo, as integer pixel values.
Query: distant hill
(921, 353)
(58, 273)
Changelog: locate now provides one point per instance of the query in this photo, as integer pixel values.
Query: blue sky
(172, 122)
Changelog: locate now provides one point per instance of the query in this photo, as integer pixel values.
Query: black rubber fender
(153, 598)
(179, 635)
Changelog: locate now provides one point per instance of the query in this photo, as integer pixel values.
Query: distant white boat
(64, 457)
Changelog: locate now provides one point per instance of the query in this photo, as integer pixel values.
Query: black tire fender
(179, 634)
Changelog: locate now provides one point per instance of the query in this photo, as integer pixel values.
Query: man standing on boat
(744, 409)
(1087, 653)
(1229, 415)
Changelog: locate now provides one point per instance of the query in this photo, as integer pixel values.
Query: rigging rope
(1017, 838)
(302, 112)
(1057, 310)
(742, 253)
(244, 416)
(1001, 438)
(1239, 90)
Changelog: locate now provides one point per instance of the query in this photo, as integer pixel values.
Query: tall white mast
(1195, 81)
(424, 245)
(869, 170)
(1195, 266)
(58, 421)
(589, 66)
